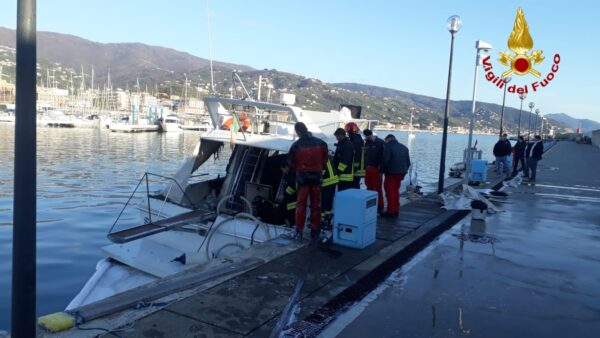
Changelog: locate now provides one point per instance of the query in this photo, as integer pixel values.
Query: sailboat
(196, 223)
(411, 135)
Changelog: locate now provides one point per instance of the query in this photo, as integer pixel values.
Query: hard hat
(351, 127)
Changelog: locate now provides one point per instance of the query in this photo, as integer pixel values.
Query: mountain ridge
(164, 69)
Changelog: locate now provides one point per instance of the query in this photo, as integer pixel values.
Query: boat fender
(56, 322)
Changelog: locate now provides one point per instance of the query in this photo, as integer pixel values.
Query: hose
(244, 215)
(215, 227)
(238, 245)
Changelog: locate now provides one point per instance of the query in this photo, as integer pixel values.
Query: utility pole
(24, 204)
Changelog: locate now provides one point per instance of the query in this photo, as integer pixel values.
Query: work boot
(298, 236)
(314, 233)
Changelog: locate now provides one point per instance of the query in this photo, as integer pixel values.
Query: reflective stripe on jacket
(329, 175)
(358, 146)
(343, 161)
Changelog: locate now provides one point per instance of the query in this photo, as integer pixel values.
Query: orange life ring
(243, 121)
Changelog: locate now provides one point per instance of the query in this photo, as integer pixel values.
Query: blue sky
(396, 44)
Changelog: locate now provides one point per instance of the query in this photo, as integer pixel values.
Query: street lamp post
(454, 24)
(481, 46)
(537, 121)
(521, 97)
(531, 106)
(542, 128)
(506, 80)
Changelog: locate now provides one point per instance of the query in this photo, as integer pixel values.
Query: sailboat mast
(212, 79)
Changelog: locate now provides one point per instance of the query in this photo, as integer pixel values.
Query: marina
(84, 206)
(285, 180)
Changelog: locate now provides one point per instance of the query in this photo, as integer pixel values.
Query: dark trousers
(304, 193)
(516, 163)
(356, 182)
(391, 185)
(373, 182)
(327, 194)
(531, 168)
(343, 185)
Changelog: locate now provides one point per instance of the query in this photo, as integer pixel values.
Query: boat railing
(273, 123)
(148, 220)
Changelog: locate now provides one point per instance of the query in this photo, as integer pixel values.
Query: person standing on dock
(330, 181)
(290, 195)
(533, 155)
(343, 160)
(502, 150)
(308, 158)
(359, 152)
(519, 155)
(373, 157)
(394, 165)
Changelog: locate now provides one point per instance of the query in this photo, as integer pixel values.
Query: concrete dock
(532, 270)
(250, 304)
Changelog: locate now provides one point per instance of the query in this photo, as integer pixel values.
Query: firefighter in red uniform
(308, 158)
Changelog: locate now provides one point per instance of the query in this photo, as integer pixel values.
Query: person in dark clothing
(394, 165)
(519, 155)
(533, 154)
(330, 181)
(373, 158)
(359, 152)
(290, 195)
(308, 157)
(343, 160)
(502, 151)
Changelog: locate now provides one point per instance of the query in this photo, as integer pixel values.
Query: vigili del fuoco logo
(522, 62)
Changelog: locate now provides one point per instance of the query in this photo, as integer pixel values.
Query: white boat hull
(170, 127)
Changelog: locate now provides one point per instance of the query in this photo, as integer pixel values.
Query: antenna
(212, 79)
(235, 73)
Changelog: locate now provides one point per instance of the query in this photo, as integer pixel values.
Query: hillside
(573, 123)
(162, 72)
(125, 61)
(487, 115)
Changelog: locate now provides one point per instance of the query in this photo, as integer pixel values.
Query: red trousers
(373, 182)
(315, 206)
(391, 185)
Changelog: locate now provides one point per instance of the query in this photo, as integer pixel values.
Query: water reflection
(84, 178)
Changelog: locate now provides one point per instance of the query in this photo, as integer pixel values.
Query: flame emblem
(520, 42)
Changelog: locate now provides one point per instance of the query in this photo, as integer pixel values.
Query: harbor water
(85, 176)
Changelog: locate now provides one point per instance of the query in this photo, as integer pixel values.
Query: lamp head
(523, 96)
(506, 79)
(454, 23)
(531, 105)
(537, 111)
(482, 46)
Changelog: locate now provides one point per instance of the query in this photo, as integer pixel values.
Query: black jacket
(358, 144)
(502, 148)
(396, 159)
(373, 152)
(343, 160)
(535, 150)
(520, 149)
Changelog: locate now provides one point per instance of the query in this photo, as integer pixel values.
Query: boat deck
(249, 304)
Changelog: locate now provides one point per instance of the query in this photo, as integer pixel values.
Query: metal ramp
(165, 224)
